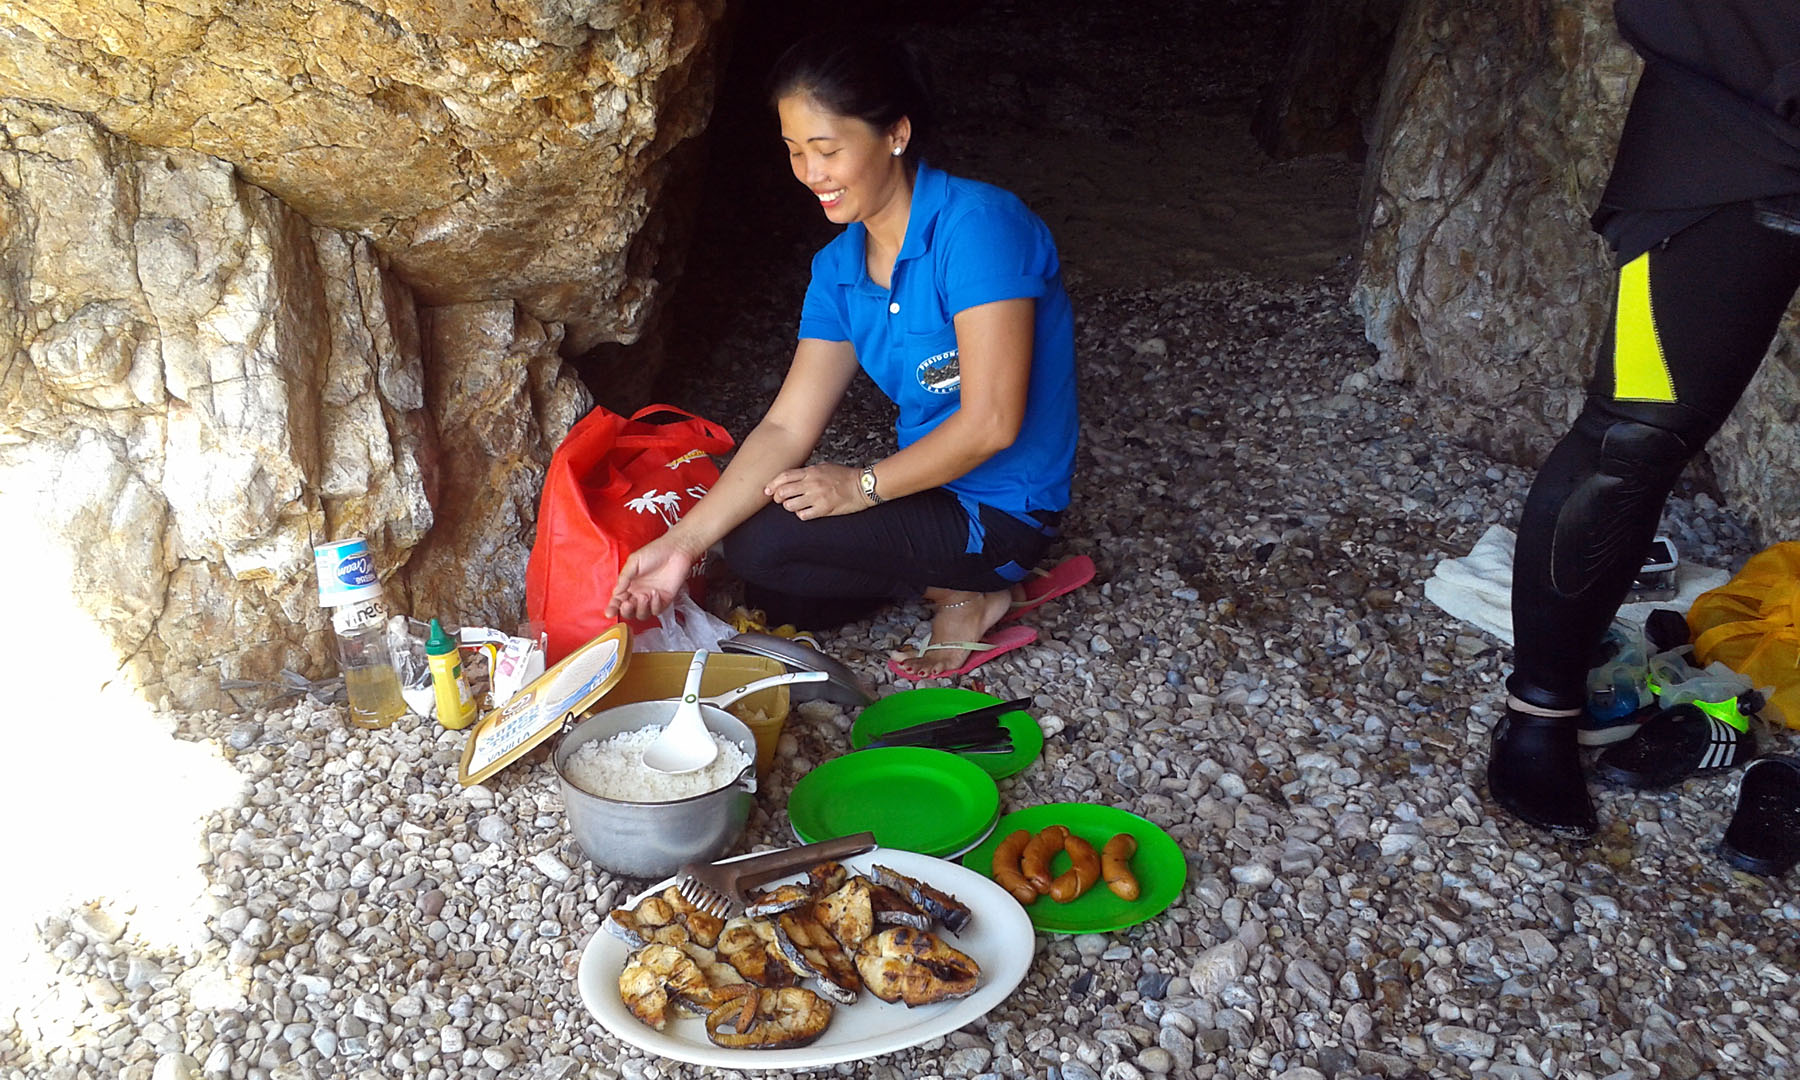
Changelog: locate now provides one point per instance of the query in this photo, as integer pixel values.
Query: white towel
(1477, 588)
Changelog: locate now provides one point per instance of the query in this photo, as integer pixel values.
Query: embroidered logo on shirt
(941, 374)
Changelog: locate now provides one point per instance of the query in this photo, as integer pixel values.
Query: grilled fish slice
(750, 946)
(779, 899)
(702, 925)
(665, 919)
(915, 967)
(658, 976)
(893, 909)
(848, 913)
(824, 878)
(812, 950)
(763, 1019)
(719, 973)
(827, 877)
(941, 906)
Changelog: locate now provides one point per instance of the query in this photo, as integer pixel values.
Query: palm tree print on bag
(664, 504)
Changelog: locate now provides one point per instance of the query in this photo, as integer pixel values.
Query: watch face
(868, 483)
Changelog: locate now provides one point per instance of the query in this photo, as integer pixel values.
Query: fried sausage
(1115, 866)
(1006, 867)
(1036, 863)
(1083, 871)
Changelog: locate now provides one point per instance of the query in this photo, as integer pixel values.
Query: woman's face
(848, 165)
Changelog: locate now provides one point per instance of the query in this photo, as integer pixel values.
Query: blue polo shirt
(967, 243)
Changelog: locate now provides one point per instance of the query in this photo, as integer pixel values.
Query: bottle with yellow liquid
(351, 590)
(368, 666)
(455, 702)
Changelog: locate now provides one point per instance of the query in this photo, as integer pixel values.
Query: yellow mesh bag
(1752, 624)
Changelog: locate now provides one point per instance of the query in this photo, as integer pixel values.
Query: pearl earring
(898, 150)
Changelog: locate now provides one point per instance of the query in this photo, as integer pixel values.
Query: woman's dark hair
(873, 76)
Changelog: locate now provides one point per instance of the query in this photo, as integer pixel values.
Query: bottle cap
(440, 642)
(346, 573)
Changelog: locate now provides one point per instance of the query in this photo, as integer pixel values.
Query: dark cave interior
(1160, 141)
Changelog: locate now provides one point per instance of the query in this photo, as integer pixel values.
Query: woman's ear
(900, 135)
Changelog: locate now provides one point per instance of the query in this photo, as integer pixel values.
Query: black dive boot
(1534, 771)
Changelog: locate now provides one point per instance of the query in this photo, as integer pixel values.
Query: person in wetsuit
(1703, 210)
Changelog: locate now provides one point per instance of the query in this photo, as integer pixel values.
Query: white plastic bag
(685, 627)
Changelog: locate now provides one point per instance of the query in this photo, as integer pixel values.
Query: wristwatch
(868, 486)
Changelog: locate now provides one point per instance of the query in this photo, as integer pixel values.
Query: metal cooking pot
(653, 839)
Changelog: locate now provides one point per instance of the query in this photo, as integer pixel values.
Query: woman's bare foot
(961, 616)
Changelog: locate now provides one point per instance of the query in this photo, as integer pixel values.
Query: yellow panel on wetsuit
(1640, 372)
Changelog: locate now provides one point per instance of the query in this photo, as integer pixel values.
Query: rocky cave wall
(514, 149)
(272, 274)
(197, 385)
(1480, 280)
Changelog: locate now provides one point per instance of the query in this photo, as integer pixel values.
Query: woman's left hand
(818, 491)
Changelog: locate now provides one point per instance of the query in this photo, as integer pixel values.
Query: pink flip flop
(1067, 576)
(980, 652)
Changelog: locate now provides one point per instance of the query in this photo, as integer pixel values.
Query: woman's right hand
(650, 579)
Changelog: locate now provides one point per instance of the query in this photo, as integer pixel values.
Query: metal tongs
(719, 888)
(977, 731)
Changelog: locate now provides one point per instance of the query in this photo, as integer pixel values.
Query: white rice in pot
(614, 769)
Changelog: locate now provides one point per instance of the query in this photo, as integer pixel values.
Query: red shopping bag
(614, 485)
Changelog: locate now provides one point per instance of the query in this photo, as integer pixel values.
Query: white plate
(998, 937)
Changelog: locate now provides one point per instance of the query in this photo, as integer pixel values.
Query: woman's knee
(761, 547)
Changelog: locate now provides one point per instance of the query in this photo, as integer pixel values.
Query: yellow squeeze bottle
(455, 704)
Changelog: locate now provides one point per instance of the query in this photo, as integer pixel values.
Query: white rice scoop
(685, 744)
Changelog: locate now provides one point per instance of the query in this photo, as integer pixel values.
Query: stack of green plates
(928, 801)
(907, 708)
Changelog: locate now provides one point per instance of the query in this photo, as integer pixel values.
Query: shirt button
(893, 309)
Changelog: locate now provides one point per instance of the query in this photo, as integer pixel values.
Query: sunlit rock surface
(1480, 278)
(198, 386)
(512, 150)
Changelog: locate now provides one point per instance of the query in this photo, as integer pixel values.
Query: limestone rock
(1480, 280)
(510, 150)
(200, 385)
(501, 399)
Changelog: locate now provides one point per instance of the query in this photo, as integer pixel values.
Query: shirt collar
(930, 188)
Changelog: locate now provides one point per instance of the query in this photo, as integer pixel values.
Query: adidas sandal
(980, 652)
(1674, 744)
(1764, 834)
(1067, 576)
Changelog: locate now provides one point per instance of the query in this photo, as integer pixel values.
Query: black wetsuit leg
(821, 573)
(1717, 291)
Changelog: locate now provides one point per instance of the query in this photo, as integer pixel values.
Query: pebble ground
(1254, 669)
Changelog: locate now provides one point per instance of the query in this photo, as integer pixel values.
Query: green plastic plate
(920, 800)
(1160, 867)
(909, 707)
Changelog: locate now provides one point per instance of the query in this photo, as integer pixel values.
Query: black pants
(821, 573)
(1717, 290)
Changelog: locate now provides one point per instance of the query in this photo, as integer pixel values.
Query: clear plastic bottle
(1615, 686)
(368, 666)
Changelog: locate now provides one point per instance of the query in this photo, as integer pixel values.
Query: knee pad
(1612, 512)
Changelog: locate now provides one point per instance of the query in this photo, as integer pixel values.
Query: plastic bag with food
(684, 627)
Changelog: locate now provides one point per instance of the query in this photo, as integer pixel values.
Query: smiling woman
(949, 294)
